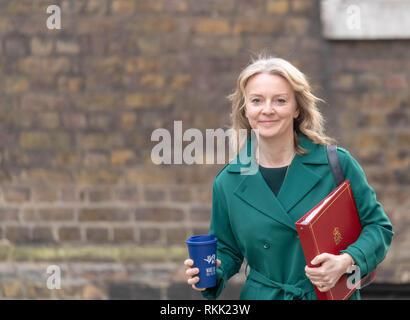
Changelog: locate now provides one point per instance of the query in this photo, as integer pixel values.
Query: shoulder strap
(335, 165)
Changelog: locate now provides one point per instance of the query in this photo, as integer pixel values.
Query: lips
(269, 121)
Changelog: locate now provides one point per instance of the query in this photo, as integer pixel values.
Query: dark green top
(274, 177)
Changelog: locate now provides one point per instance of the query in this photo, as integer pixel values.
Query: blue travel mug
(202, 250)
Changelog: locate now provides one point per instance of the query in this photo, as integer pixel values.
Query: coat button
(266, 245)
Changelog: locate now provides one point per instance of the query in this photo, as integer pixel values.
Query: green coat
(251, 222)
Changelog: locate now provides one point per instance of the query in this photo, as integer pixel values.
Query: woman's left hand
(332, 267)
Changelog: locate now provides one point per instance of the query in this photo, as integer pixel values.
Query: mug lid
(202, 239)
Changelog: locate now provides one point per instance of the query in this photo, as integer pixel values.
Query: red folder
(332, 225)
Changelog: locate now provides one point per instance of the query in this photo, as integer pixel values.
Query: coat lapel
(255, 192)
(300, 179)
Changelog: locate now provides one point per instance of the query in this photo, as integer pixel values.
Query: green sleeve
(227, 249)
(374, 241)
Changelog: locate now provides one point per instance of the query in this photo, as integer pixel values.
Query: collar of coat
(301, 178)
(316, 154)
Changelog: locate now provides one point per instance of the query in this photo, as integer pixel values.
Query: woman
(253, 216)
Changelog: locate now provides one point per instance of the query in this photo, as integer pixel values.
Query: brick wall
(78, 106)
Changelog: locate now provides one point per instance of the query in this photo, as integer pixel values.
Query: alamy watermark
(354, 280)
(354, 18)
(170, 149)
(54, 280)
(54, 20)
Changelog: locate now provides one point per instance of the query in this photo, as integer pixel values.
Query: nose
(267, 107)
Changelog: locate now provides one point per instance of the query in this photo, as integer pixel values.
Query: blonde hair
(310, 121)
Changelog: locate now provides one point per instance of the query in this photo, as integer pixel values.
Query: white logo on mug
(210, 259)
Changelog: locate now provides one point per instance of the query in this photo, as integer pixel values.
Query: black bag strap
(335, 165)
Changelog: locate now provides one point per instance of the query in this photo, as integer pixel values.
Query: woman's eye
(281, 100)
(256, 101)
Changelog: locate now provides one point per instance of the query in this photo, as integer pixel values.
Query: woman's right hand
(191, 272)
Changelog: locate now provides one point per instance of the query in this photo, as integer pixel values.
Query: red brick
(159, 214)
(69, 234)
(150, 236)
(9, 214)
(212, 26)
(51, 214)
(16, 194)
(176, 236)
(123, 235)
(97, 214)
(202, 213)
(397, 81)
(74, 120)
(44, 194)
(181, 194)
(17, 234)
(97, 235)
(100, 195)
(42, 235)
(127, 194)
(49, 140)
(154, 194)
(68, 194)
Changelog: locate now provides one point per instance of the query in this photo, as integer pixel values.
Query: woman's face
(270, 105)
